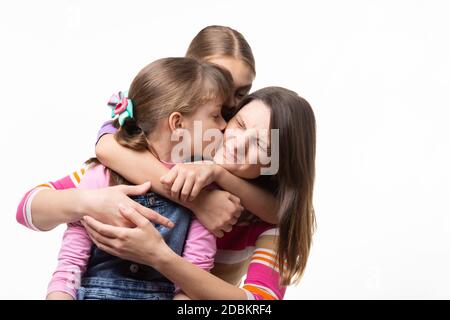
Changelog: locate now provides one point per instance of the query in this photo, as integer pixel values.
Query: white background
(377, 74)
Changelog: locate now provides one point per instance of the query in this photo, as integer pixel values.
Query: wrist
(219, 173)
(163, 258)
(83, 202)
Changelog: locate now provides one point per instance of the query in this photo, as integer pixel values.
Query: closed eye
(240, 122)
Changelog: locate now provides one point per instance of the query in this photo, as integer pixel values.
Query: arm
(145, 166)
(189, 178)
(145, 245)
(200, 249)
(51, 204)
(72, 260)
(75, 249)
(262, 281)
(216, 216)
(255, 199)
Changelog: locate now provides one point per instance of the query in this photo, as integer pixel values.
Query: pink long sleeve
(200, 247)
(72, 260)
(76, 245)
(23, 213)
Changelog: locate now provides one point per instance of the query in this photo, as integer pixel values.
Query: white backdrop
(377, 74)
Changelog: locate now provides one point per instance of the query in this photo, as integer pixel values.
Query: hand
(59, 295)
(142, 244)
(217, 210)
(186, 180)
(103, 205)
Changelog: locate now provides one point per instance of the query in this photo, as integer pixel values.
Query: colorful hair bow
(122, 106)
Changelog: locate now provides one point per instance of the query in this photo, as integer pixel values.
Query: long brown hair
(165, 86)
(214, 41)
(294, 181)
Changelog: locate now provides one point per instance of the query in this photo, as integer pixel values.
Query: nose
(222, 124)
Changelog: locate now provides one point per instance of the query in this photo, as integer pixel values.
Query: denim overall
(110, 278)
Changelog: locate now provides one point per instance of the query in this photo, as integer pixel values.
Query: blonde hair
(214, 41)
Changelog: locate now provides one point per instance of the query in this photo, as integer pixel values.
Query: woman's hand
(217, 210)
(103, 205)
(186, 180)
(142, 244)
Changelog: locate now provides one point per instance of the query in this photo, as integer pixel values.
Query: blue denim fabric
(110, 278)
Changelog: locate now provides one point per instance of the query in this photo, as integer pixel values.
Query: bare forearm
(51, 208)
(255, 199)
(195, 282)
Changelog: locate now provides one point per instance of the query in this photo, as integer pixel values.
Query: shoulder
(95, 176)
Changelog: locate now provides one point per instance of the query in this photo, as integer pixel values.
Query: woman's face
(246, 136)
(243, 77)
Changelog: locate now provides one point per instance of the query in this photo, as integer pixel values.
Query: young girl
(164, 99)
(271, 257)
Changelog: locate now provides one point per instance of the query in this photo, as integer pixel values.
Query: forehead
(255, 114)
(242, 74)
(211, 105)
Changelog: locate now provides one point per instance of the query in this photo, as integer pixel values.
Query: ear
(175, 121)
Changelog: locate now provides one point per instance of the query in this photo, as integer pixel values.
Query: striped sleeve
(23, 213)
(263, 277)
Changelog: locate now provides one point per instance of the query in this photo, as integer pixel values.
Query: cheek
(211, 124)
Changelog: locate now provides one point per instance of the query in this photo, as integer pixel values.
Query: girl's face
(243, 77)
(246, 136)
(205, 117)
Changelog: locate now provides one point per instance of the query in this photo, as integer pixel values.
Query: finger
(237, 202)
(104, 247)
(170, 177)
(135, 190)
(154, 216)
(107, 249)
(195, 191)
(95, 235)
(227, 228)
(233, 221)
(132, 215)
(218, 234)
(103, 243)
(237, 213)
(235, 199)
(104, 229)
(177, 185)
(187, 187)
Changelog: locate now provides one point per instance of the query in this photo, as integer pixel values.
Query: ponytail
(130, 135)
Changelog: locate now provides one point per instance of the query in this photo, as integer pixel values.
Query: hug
(158, 214)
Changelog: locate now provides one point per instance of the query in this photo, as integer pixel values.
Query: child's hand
(217, 210)
(58, 295)
(186, 180)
